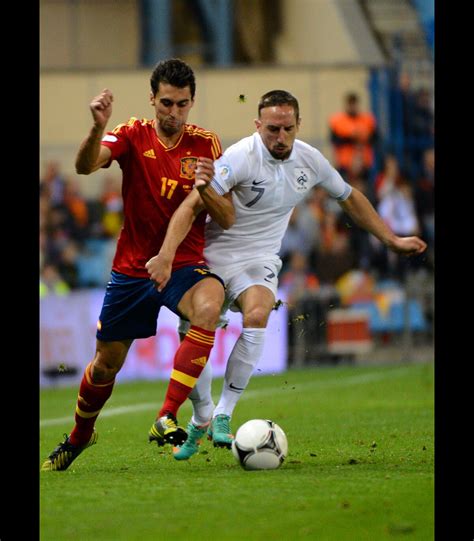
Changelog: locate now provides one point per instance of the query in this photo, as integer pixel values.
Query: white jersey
(264, 192)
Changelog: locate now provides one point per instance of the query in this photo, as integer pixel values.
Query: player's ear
(152, 99)
(258, 123)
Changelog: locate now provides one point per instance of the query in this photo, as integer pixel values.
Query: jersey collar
(167, 149)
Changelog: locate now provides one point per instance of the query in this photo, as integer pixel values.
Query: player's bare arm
(365, 216)
(220, 208)
(92, 155)
(159, 266)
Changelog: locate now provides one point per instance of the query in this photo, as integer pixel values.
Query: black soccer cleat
(166, 430)
(65, 453)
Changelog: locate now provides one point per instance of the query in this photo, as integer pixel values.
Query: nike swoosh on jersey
(255, 183)
(232, 386)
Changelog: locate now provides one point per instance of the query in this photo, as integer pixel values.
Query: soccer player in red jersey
(160, 162)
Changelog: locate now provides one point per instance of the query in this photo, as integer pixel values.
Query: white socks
(240, 366)
(203, 406)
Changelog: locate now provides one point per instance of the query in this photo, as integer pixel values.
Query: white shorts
(239, 277)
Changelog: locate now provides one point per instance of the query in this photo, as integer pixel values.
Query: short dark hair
(278, 97)
(174, 72)
(352, 97)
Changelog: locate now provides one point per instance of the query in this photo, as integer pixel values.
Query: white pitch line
(106, 413)
(327, 384)
(339, 382)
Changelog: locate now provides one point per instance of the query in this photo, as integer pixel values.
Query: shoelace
(222, 423)
(194, 433)
(61, 447)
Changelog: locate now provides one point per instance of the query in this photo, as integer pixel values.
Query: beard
(281, 153)
(169, 127)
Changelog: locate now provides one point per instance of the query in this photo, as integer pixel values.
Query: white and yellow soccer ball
(260, 444)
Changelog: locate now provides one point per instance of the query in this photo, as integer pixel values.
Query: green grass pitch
(360, 464)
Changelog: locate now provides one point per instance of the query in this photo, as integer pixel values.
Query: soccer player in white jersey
(268, 174)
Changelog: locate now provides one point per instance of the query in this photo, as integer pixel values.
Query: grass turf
(360, 464)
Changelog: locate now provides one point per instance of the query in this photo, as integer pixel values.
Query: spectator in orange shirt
(353, 134)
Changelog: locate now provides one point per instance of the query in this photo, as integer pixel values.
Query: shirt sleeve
(332, 181)
(230, 169)
(117, 141)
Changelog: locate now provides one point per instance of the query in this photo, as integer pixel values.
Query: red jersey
(156, 179)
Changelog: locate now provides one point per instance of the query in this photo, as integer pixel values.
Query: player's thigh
(239, 278)
(256, 304)
(129, 310)
(252, 284)
(203, 300)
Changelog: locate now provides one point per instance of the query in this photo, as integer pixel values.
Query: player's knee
(207, 313)
(102, 372)
(256, 318)
(105, 366)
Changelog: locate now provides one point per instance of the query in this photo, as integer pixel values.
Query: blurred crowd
(322, 244)
(323, 239)
(78, 234)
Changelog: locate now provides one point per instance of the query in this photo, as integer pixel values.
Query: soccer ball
(260, 444)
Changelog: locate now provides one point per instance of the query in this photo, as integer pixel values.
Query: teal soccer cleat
(219, 431)
(191, 446)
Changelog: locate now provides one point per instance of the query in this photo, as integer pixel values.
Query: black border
(454, 456)
(20, 273)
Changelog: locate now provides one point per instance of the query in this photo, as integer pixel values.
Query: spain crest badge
(188, 166)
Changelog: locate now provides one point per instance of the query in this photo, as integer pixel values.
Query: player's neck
(166, 139)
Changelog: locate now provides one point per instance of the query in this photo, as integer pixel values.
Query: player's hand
(159, 269)
(204, 172)
(101, 108)
(408, 245)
